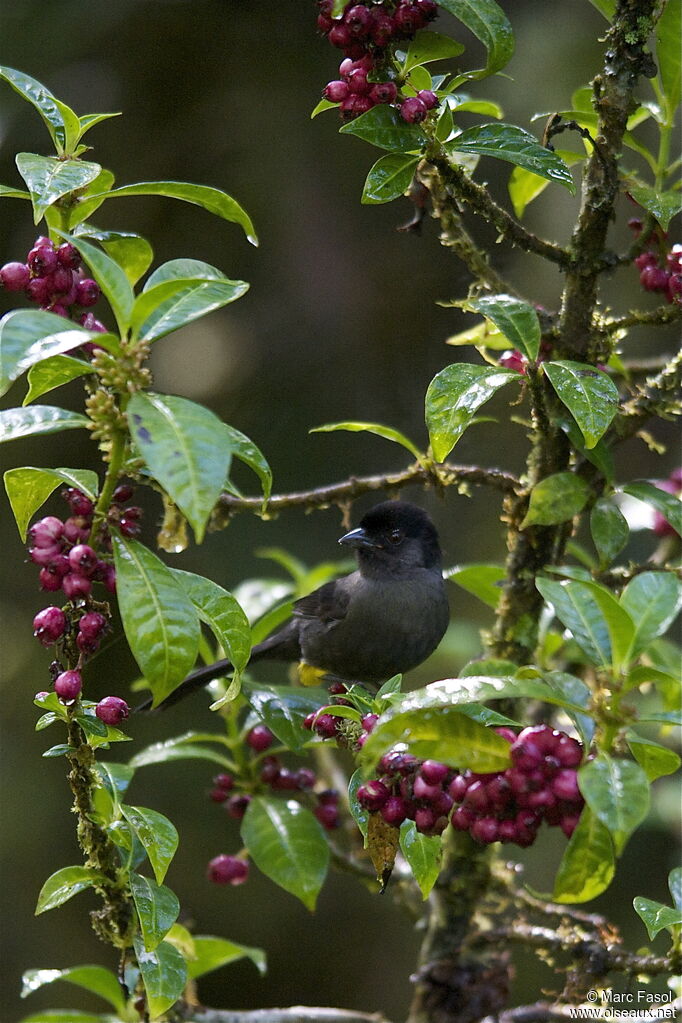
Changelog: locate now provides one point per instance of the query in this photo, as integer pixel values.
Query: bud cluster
(365, 32)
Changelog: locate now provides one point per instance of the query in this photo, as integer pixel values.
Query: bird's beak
(358, 538)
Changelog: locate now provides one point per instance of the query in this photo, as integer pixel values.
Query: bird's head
(397, 536)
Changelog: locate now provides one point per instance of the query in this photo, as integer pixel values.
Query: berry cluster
(673, 485)
(659, 270)
(364, 33)
(53, 278)
(504, 806)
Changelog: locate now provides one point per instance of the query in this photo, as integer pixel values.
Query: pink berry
(422, 789)
(433, 772)
(14, 276)
(413, 110)
(259, 738)
(462, 819)
(227, 870)
(49, 581)
(46, 532)
(514, 360)
(112, 710)
(428, 98)
(76, 585)
(458, 787)
(369, 721)
(372, 795)
(336, 91)
(485, 829)
(92, 625)
(224, 782)
(383, 92)
(237, 806)
(325, 726)
(68, 256)
(68, 685)
(87, 292)
(328, 815)
(358, 19)
(49, 625)
(569, 824)
(355, 105)
(382, 30)
(304, 778)
(340, 36)
(83, 559)
(41, 260)
(394, 810)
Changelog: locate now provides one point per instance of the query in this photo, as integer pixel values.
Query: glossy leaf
(42, 99)
(668, 31)
(483, 335)
(172, 302)
(573, 690)
(675, 886)
(387, 432)
(524, 186)
(617, 792)
(653, 600)
(359, 814)
(115, 777)
(97, 979)
(423, 854)
(28, 489)
(64, 884)
(156, 833)
(453, 398)
(133, 253)
(657, 917)
(452, 692)
(508, 142)
(7, 192)
(389, 178)
(223, 615)
(320, 107)
(383, 126)
(209, 953)
(588, 864)
(609, 528)
(556, 499)
(65, 1016)
(438, 732)
(158, 617)
(483, 581)
(28, 336)
(283, 708)
(517, 320)
(577, 609)
(246, 451)
(38, 419)
(488, 23)
(111, 278)
(427, 46)
(211, 199)
(164, 974)
(589, 395)
(157, 909)
(669, 505)
(179, 441)
(49, 178)
(605, 7)
(180, 747)
(92, 198)
(54, 372)
(654, 759)
(287, 844)
(88, 121)
(662, 205)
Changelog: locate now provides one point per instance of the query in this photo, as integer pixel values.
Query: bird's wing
(329, 603)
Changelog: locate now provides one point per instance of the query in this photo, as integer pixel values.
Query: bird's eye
(396, 536)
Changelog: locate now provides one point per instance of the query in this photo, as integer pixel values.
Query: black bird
(382, 619)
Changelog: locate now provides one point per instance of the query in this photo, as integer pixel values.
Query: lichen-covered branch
(659, 395)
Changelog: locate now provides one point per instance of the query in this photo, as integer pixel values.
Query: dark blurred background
(341, 322)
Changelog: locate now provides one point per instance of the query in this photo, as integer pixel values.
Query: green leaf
(38, 419)
(389, 178)
(133, 253)
(96, 979)
(287, 844)
(115, 777)
(164, 974)
(28, 336)
(211, 953)
(383, 126)
(157, 835)
(180, 442)
(524, 186)
(508, 142)
(669, 505)
(64, 884)
(617, 792)
(423, 854)
(588, 865)
(246, 451)
(358, 813)
(88, 121)
(157, 909)
(7, 192)
(42, 99)
(28, 489)
(576, 607)
(655, 760)
(675, 886)
(65, 1016)
(483, 581)
(221, 612)
(211, 199)
(49, 178)
(475, 106)
(653, 600)
(574, 691)
(662, 205)
(180, 747)
(440, 732)
(668, 31)
(657, 917)
(517, 320)
(453, 398)
(58, 751)
(387, 432)
(320, 107)
(111, 278)
(283, 708)
(92, 198)
(610, 530)
(427, 46)
(158, 617)
(555, 499)
(589, 395)
(488, 23)
(54, 372)
(605, 7)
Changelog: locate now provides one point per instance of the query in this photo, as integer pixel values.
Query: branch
(651, 318)
(657, 396)
(294, 1014)
(349, 490)
(543, 1012)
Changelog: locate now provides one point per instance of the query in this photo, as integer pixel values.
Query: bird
(381, 620)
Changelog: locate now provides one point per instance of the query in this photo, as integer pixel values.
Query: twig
(651, 318)
(658, 395)
(294, 1014)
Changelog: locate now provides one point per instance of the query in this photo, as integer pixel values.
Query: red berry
(565, 785)
(394, 810)
(68, 256)
(476, 797)
(237, 806)
(513, 359)
(372, 795)
(270, 769)
(83, 559)
(90, 322)
(41, 260)
(325, 726)
(227, 870)
(369, 721)
(14, 276)
(328, 815)
(305, 778)
(356, 105)
(78, 502)
(569, 824)
(458, 787)
(485, 829)
(49, 580)
(46, 532)
(218, 795)
(112, 710)
(92, 625)
(129, 527)
(340, 36)
(224, 782)
(309, 720)
(44, 556)
(336, 91)
(383, 92)
(68, 685)
(568, 752)
(428, 98)
(259, 738)
(462, 819)
(422, 789)
(49, 625)
(76, 585)
(413, 110)
(433, 772)
(87, 292)
(382, 29)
